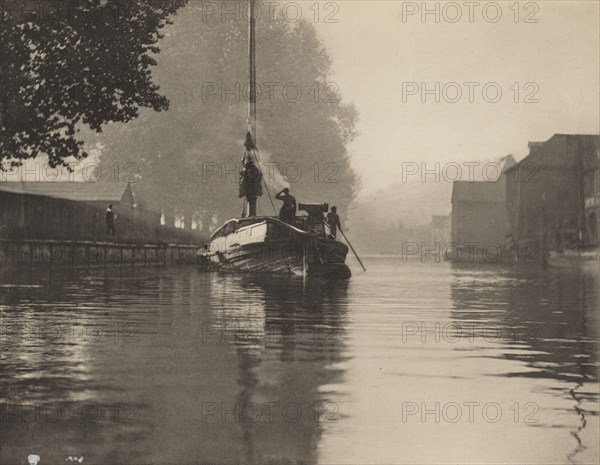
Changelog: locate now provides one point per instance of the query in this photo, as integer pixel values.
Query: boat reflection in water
(288, 340)
(179, 366)
(227, 369)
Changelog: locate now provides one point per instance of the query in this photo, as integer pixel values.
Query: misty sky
(377, 51)
(374, 52)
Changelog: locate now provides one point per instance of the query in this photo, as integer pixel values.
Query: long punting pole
(353, 251)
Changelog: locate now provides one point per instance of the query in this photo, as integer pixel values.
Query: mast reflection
(289, 337)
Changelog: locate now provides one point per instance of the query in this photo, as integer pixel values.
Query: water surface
(408, 363)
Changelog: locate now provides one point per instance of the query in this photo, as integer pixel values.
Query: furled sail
(250, 175)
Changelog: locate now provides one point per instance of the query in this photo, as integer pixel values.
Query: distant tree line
(188, 158)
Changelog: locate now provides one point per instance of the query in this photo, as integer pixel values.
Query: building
(76, 211)
(63, 210)
(546, 192)
(478, 212)
(479, 209)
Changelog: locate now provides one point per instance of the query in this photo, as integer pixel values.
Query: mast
(252, 92)
(252, 70)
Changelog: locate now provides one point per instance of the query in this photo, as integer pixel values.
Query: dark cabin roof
(78, 191)
(479, 191)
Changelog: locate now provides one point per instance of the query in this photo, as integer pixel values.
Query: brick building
(546, 192)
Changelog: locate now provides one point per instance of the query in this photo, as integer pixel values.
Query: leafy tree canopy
(72, 63)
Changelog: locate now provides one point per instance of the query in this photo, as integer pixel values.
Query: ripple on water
(168, 365)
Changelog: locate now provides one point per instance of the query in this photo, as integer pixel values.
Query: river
(408, 363)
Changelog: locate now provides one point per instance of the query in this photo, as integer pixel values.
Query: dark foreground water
(408, 363)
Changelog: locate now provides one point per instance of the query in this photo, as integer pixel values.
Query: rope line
(265, 182)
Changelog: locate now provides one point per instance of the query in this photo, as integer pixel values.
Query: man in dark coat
(288, 209)
(333, 220)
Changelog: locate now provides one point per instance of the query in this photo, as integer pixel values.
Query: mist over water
(407, 363)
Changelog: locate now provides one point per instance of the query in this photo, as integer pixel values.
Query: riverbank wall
(31, 252)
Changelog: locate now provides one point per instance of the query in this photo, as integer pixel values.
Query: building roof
(551, 154)
(78, 191)
(506, 163)
(479, 191)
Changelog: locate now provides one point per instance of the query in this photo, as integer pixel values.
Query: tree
(67, 64)
(204, 73)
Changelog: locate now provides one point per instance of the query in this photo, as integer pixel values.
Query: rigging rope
(265, 182)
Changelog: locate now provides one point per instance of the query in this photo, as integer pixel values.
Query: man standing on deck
(288, 209)
(110, 222)
(250, 177)
(333, 220)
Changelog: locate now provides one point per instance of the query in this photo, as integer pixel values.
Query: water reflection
(288, 334)
(547, 320)
(168, 366)
(172, 365)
